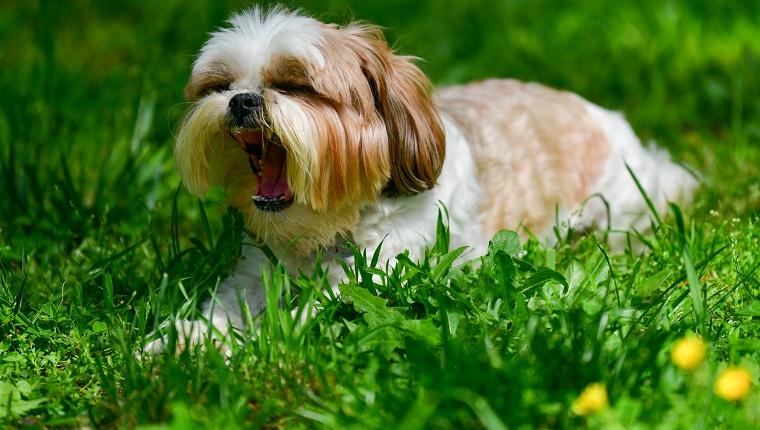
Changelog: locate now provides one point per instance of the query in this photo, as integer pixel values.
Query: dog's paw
(188, 335)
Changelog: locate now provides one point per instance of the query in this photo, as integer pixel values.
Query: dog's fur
(358, 147)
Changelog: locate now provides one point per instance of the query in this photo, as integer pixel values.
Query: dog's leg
(239, 294)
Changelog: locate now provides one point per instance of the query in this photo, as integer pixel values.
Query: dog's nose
(241, 105)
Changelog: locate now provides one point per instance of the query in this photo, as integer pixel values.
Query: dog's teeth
(259, 198)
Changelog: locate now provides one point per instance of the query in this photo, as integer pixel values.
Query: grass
(99, 244)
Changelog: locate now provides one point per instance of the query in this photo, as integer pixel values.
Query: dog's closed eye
(203, 85)
(216, 88)
(294, 88)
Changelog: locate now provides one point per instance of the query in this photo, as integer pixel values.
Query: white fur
(254, 37)
(661, 179)
(409, 222)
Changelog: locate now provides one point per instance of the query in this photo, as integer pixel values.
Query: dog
(322, 134)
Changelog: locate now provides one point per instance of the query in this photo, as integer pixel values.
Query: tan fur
(401, 94)
(201, 165)
(532, 145)
(330, 127)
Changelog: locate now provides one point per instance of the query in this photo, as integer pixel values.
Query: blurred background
(92, 91)
(99, 243)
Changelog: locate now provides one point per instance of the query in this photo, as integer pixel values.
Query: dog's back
(542, 154)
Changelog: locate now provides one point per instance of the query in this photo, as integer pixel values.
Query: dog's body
(322, 133)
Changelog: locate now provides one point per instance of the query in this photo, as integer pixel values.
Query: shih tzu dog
(321, 134)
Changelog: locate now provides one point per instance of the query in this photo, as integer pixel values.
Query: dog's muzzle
(266, 154)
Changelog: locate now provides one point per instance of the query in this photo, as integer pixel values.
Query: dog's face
(304, 123)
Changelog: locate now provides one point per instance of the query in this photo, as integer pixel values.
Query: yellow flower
(688, 353)
(733, 383)
(592, 399)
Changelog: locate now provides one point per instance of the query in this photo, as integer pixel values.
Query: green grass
(99, 245)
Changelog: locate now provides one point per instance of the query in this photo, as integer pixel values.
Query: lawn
(99, 244)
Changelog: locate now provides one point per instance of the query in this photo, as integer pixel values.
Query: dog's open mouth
(266, 155)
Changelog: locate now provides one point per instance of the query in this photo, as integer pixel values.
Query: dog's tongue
(274, 181)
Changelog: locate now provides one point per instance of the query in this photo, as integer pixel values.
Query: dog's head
(304, 123)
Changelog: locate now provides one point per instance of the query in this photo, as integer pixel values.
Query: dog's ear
(403, 99)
